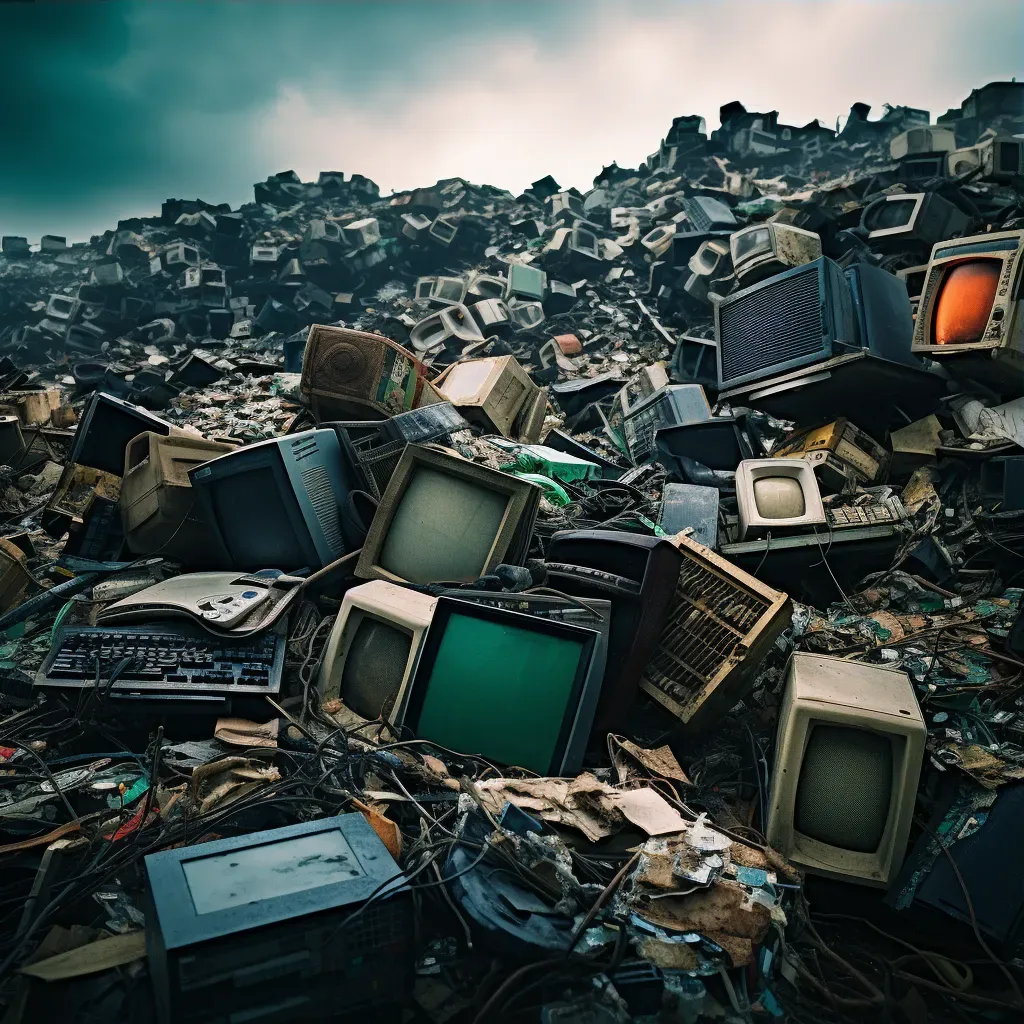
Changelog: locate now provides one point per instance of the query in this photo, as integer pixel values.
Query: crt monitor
(373, 647)
(847, 761)
(777, 495)
(106, 427)
(638, 575)
(914, 218)
(760, 250)
(491, 391)
(275, 504)
(807, 315)
(446, 519)
(513, 688)
(971, 302)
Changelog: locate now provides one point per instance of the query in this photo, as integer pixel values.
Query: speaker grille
(341, 362)
(769, 325)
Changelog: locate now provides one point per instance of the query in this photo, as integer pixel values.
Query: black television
(638, 575)
(809, 314)
(106, 427)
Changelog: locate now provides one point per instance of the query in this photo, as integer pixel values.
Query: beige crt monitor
(777, 494)
(491, 391)
(372, 649)
(847, 761)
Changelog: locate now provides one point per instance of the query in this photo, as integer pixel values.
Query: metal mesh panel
(770, 325)
(321, 496)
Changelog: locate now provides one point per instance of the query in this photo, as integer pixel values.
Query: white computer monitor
(848, 758)
(373, 647)
(777, 495)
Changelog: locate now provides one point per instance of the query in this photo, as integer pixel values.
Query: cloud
(507, 113)
(119, 105)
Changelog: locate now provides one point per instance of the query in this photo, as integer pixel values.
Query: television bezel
(148, 422)
(520, 494)
(800, 712)
(567, 757)
(908, 228)
(1009, 297)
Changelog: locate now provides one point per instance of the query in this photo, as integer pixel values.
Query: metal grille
(321, 496)
(770, 325)
(721, 623)
(378, 461)
(697, 216)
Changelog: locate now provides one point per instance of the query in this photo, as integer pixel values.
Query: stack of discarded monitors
(501, 684)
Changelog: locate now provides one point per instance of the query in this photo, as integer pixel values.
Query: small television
(437, 329)
(809, 314)
(761, 250)
(446, 291)
(372, 649)
(638, 575)
(275, 504)
(777, 495)
(848, 757)
(997, 158)
(517, 689)
(970, 307)
(525, 282)
(668, 406)
(711, 260)
(353, 374)
(923, 140)
(106, 427)
(912, 218)
(446, 519)
(705, 213)
(491, 392)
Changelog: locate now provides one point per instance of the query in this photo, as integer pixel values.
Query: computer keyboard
(175, 663)
(861, 515)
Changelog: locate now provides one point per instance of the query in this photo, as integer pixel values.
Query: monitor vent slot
(770, 325)
(698, 217)
(303, 448)
(321, 496)
(720, 625)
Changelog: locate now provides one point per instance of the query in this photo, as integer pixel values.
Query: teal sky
(111, 107)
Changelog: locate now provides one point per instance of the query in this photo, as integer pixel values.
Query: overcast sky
(109, 108)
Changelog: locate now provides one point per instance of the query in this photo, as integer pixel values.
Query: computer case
(157, 500)
(809, 314)
(351, 374)
(276, 925)
(637, 574)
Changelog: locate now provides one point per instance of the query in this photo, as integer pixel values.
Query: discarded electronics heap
(453, 607)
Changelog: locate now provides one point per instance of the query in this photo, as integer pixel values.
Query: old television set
(525, 282)
(454, 323)
(777, 495)
(106, 427)
(668, 406)
(912, 218)
(238, 927)
(997, 158)
(926, 140)
(156, 496)
(276, 504)
(809, 314)
(356, 375)
(513, 688)
(761, 250)
(372, 648)
(638, 575)
(445, 519)
(491, 392)
(848, 757)
(970, 308)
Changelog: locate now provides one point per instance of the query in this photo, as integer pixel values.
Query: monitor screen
(748, 244)
(268, 541)
(1008, 160)
(779, 497)
(375, 663)
(964, 301)
(845, 790)
(892, 213)
(500, 690)
(443, 528)
(585, 241)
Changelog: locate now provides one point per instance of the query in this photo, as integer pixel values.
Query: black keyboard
(169, 663)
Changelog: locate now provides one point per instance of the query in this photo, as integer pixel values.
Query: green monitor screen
(504, 685)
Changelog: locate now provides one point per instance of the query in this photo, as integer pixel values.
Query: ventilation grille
(698, 217)
(325, 506)
(304, 447)
(770, 325)
(720, 625)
